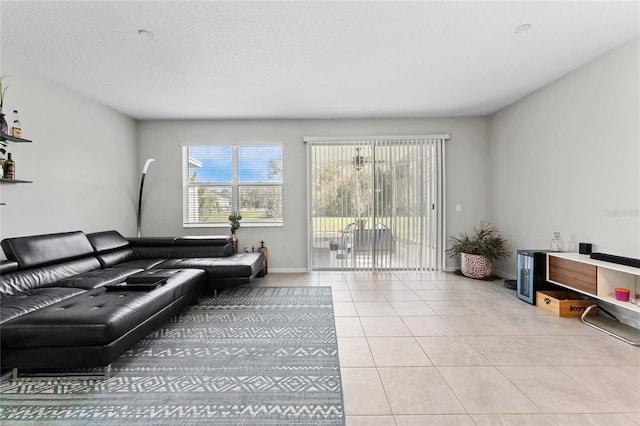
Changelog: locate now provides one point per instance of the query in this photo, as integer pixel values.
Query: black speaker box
(584, 248)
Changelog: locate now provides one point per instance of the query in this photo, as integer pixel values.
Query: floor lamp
(144, 173)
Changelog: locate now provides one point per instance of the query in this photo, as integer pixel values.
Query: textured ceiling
(313, 59)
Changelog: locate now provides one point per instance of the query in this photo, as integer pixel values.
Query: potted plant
(234, 221)
(478, 252)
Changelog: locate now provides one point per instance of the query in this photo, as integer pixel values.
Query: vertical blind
(376, 203)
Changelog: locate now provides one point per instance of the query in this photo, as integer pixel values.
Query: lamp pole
(144, 173)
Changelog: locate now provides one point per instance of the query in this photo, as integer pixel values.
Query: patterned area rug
(251, 356)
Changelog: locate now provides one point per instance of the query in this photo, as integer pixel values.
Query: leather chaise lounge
(55, 311)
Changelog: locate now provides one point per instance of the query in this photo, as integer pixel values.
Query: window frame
(235, 185)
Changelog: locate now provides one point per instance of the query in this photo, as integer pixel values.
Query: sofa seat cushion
(97, 278)
(234, 266)
(32, 300)
(98, 316)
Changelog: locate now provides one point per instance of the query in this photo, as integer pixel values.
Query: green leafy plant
(234, 220)
(485, 241)
(3, 89)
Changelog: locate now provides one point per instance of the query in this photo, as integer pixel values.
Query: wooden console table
(597, 279)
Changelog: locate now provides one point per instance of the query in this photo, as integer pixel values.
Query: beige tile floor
(440, 349)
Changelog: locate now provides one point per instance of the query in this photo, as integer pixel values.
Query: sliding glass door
(376, 204)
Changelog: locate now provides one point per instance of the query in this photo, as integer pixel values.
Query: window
(221, 179)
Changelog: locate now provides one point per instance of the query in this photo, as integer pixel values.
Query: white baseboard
(505, 275)
(287, 270)
(497, 272)
(303, 270)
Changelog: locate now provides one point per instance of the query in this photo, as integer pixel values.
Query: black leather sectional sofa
(59, 307)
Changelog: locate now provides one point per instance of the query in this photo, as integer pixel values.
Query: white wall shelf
(8, 138)
(3, 180)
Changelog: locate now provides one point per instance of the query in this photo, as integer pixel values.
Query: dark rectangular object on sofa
(151, 276)
(126, 286)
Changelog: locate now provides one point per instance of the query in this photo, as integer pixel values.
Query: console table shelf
(594, 278)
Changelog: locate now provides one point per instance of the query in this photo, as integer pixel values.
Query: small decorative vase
(234, 240)
(475, 266)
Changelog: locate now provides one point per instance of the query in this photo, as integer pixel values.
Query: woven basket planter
(475, 266)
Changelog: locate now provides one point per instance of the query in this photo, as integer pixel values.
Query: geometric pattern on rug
(250, 356)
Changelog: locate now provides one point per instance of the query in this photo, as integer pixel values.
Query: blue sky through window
(253, 163)
(217, 163)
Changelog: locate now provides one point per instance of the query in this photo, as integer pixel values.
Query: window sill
(226, 226)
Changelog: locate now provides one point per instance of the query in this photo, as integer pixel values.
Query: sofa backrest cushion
(111, 247)
(44, 276)
(153, 241)
(176, 252)
(180, 247)
(107, 241)
(152, 252)
(115, 257)
(40, 250)
(203, 240)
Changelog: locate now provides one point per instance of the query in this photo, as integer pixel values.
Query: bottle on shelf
(16, 128)
(4, 127)
(9, 168)
(557, 243)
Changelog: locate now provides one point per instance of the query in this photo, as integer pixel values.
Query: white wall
(82, 162)
(567, 158)
(467, 178)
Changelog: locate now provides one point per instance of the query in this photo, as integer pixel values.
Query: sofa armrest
(7, 266)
